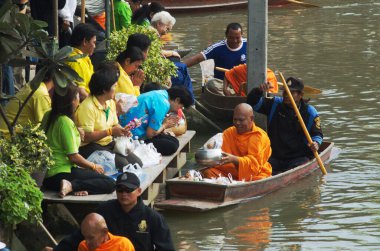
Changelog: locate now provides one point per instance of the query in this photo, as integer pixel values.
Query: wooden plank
(155, 174)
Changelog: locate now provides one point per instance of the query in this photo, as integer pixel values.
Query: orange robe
(238, 75)
(253, 149)
(115, 243)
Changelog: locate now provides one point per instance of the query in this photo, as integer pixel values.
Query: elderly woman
(131, 76)
(163, 22)
(71, 172)
(97, 116)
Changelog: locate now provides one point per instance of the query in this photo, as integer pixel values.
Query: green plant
(21, 36)
(156, 67)
(28, 149)
(20, 198)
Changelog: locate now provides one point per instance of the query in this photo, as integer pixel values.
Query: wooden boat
(211, 5)
(202, 196)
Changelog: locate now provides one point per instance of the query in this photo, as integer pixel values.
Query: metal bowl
(208, 157)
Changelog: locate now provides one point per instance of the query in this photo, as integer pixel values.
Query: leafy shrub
(20, 198)
(28, 149)
(156, 67)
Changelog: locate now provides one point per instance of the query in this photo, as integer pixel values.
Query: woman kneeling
(71, 172)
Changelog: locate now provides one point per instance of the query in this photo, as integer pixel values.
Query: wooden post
(108, 22)
(83, 11)
(55, 18)
(257, 43)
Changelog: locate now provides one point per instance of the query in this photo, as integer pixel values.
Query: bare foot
(66, 188)
(81, 193)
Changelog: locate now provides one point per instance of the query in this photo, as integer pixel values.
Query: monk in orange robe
(246, 149)
(237, 76)
(98, 238)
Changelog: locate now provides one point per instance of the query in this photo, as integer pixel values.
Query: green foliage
(156, 67)
(28, 149)
(20, 198)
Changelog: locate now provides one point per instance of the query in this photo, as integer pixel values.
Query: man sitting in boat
(290, 147)
(246, 149)
(235, 81)
(226, 53)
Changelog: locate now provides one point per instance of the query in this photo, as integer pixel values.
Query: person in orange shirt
(246, 149)
(237, 76)
(97, 237)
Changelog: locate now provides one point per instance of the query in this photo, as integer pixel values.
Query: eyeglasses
(125, 190)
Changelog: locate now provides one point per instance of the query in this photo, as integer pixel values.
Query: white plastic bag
(148, 154)
(106, 160)
(138, 170)
(127, 101)
(123, 145)
(215, 142)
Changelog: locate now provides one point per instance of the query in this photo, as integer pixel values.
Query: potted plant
(25, 150)
(156, 67)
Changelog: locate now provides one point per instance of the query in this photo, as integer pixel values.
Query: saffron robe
(252, 148)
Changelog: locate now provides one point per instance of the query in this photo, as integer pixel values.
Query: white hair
(163, 17)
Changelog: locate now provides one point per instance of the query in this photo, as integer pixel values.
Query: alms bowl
(208, 157)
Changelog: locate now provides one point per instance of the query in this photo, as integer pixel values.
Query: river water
(334, 48)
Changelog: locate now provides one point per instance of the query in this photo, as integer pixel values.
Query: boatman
(290, 147)
(226, 53)
(246, 149)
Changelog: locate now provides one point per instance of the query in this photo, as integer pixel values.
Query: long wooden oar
(113, 15)
(302, 3)
(307, 89)
(302, 123)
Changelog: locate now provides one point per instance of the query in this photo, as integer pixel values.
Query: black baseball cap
(129, 180)
(295, 84)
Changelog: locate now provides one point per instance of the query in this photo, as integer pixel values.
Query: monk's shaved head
(244, 108)
(243, 118)
(94, 229)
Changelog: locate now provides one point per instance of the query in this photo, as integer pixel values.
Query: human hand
(229, 158)
(266, 87)
(171, 121)
(314, 146)
(65, 25)
(176, 54)
(47, 248)
(138, 77)
(99, 169)
(81, 133)
(117, 131)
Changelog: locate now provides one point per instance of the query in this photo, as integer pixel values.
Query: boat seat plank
(155, 176)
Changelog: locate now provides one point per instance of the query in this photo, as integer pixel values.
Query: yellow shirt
(33, 111)
(91, 116)
(125, 85)
(84, 68)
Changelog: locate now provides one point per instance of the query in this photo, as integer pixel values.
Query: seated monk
(237, 76)
(246, 149)
(98, 238)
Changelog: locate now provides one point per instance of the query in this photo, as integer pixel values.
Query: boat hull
(202, 196)
(211, 5)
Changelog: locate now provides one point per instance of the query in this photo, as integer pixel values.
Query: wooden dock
(156, 175)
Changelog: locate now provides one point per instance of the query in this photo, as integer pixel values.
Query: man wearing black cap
(288, 142)
(128, 216)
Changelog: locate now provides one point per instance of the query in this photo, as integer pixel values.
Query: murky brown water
(334, 48)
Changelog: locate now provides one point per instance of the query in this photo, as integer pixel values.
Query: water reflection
(333, 48)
